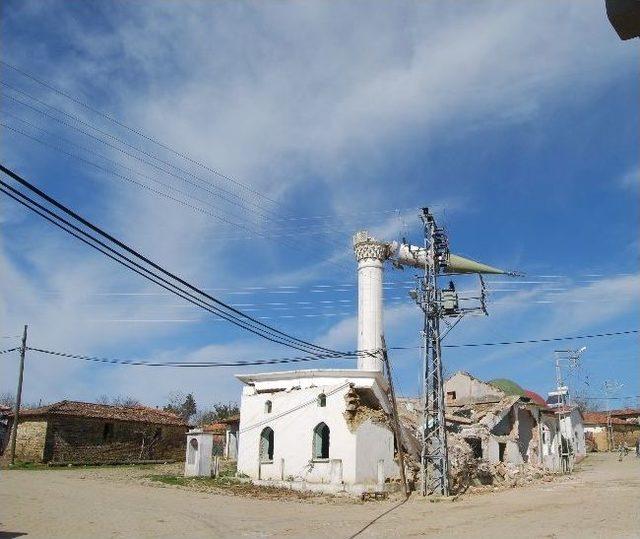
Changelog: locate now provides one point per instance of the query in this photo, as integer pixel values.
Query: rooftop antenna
(561, 401)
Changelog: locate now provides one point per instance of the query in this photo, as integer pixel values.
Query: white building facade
(325, 430)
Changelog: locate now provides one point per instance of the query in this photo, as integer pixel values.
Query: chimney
(370, 255)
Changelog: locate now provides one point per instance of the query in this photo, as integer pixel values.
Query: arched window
(322, 400)
(266, 445)
(267, 407)
(321, 442)
(193, 450)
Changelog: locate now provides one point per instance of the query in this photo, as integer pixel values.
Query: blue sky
(517, 122)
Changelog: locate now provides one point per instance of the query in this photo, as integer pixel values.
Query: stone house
(624, 427)
(82, 432)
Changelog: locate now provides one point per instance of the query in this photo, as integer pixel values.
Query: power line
(113, 146)
(529, 341)
(190, 364)
(233, 315)
(266, 213)
(8, 350)
(137, 132)
(167, 285)
(609, 398)
(135, 182)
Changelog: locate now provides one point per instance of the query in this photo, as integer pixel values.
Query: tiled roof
(633, 412)
(217, 427)
(141, 414)
(535, 397)
(600, 418)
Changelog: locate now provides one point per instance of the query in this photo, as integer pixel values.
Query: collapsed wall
(468, 471)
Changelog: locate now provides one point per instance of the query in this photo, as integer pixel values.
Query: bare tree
(219, 411)
(118, 400)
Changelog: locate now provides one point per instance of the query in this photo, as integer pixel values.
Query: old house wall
(30, 441)
(82, 439)
(527, 427)
(468, 389)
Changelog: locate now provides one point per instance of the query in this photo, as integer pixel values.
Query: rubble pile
(469, 473)
(466, 472)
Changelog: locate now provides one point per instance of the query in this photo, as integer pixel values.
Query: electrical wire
(75, 156)
(124, 152)
(9, 350)
(233, 313)
(529, 341)
(135, 182)
(149, 275)
(138, 132)
(189, 364)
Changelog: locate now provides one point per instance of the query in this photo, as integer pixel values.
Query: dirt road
(602, 500)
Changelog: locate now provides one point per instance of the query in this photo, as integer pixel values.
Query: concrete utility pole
(16, 408)
(611, 388)
(396, 420)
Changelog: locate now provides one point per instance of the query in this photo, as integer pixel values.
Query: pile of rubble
(468, 473)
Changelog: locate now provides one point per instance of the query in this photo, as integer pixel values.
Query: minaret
(370, 255)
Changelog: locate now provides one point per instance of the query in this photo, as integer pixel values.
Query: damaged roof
(141, 414)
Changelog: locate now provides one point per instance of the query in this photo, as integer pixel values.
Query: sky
(242, 144)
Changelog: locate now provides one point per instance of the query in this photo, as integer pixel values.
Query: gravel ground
(600, 500)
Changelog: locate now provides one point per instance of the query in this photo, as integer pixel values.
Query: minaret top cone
(459, 264)
(411, 255)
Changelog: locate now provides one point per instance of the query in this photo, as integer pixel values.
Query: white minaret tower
(370, 255)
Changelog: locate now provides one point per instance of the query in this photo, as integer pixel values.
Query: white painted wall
(573, 426)
(374, 443)
(198, 459)
(294, 415)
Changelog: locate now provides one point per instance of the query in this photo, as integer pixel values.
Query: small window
(501, 449)
(451, 395)
(266, 445)
(322, 400)
(193, 449)
(321, 441)
(267, 407)
(476, 446)
(107, 432)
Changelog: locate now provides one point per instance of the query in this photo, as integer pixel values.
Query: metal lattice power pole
(435, 463)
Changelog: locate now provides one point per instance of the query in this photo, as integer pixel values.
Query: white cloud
(303, 101)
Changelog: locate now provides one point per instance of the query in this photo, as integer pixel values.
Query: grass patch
(216, 482)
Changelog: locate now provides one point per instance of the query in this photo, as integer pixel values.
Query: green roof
(509, 387)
